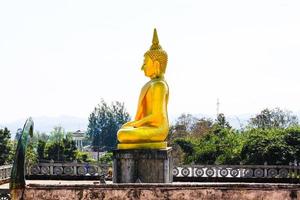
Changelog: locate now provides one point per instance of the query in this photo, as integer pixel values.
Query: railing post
(1, 174)
(298, 171)
(295, 168)
(265, 169)
(51, 167)
(192, 168)
(290, 170)
(75, 167)
(6, 172)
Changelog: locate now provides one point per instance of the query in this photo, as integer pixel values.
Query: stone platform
(63, 190)
(142, 166)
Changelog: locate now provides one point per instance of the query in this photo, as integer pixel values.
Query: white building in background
(78, 137)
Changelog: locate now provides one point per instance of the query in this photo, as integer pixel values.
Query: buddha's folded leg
(141, 134)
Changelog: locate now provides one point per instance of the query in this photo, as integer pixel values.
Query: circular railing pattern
(248, 173)
(81, 170)
(210, 172)
(58, 170)
(199, 172)
(92, 170)
(35, 169)
(175, 171)
(283, 173)
(234, 172)
(68, 170)
(45, 170)
(223, 172)
(258, 173)
(265, 171)
(185, 172)
(206, 171)
(272, 173)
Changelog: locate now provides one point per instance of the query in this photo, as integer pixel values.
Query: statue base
(142, 166)
(149, 145)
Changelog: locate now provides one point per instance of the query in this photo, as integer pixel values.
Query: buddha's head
(155, 59)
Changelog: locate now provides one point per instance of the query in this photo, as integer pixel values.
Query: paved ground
(4, 186)
(71, 183)
(57, 182)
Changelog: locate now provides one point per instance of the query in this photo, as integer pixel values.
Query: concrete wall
(176, 191)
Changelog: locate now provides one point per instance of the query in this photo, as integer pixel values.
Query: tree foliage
(218, 145)
(41, 149)
(5, 146)
(273, 118)
(60, 146)
(104, 123)
(83, 157)
(107, 158)
(273, 136)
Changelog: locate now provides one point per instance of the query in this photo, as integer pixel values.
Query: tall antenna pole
(218, 107)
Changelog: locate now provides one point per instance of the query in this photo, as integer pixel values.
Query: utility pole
(218, 107)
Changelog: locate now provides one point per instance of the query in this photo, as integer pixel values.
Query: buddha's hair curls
(156, 53)
(159, 55)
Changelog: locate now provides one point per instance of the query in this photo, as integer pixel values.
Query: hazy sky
(61, 57)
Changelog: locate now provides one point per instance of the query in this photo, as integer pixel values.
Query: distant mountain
(46, 124)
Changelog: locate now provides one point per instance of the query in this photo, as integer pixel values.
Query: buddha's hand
(127, 124)
(132, 124)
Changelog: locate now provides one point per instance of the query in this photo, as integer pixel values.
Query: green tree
(5, 146)
(84, 157)
(107, 158)
(41, 145)
(292, 140)
(70, 148)
(57, 134)
(266, 145)
(274, 118)
(41, 149)
(42, 136)
(60, 146)
(31, 155)
(211, 143)
(202, 127)
(12, 148)
(54, 151)
(104, 123)
(222, 122)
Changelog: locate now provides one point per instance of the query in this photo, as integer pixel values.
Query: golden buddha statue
(151, 125)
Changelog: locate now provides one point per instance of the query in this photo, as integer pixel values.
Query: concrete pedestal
(142, 166)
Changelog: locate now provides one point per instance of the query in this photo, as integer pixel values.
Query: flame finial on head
(155, 42)
(156, 53)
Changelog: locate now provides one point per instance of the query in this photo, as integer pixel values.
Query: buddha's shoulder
(159, 83)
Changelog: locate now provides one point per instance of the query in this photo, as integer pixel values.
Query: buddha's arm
(138, 113)
(157, 102)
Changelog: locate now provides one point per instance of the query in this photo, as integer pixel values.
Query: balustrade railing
(69, 169)
(5, 171)
(291, 171)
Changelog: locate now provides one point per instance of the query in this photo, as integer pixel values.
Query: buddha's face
(151, 68)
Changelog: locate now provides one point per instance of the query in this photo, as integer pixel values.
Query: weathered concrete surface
(176, 191)
(4, 181)
(143, 165)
